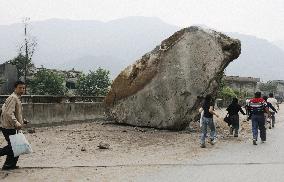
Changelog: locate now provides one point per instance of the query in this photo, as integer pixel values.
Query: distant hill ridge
(86, 45)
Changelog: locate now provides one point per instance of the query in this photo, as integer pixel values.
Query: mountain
(87, 45)
(259, 58)
(279, 43)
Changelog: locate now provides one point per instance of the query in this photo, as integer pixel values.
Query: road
(147, 155)
(234, 162)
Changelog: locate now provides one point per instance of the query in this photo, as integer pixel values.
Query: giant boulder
(161, 90)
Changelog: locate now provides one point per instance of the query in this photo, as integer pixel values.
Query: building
(8, 77)
(279, 88)
(70, 78)
(246, 85)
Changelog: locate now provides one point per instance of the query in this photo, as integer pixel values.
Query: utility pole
(26, 49)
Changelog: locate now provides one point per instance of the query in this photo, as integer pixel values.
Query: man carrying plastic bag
(11, 121)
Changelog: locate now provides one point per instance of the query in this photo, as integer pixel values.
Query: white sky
(262, 18)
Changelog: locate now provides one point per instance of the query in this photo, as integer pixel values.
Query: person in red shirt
(258, 107)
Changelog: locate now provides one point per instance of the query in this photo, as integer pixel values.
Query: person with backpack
(258, 107)
(207, 120)
(233, 110)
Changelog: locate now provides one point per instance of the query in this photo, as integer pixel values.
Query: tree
(95, 83)
(46, 82)
(23, 61)
(269, 87)
(227, 93)
(23, 67)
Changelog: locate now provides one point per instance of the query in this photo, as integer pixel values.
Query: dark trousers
(11, 161)
(235, 123)
(207, 122)
(258, 122)
(273, 118)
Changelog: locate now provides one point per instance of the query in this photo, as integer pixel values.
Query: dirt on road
(71, 152)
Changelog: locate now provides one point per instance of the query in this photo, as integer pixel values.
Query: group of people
(261, 111)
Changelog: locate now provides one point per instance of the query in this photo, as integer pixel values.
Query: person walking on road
(207, 120)
(258, 107)
(11, 121)
(247, 109)
(275, 104)
(233, 110)
(270, 107)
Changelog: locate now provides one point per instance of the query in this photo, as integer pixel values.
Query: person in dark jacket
(233, 110)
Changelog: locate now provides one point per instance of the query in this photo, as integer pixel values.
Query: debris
(139, 129)
(31, 130)
(103, 145)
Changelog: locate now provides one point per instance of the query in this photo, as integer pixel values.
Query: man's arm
(211, 110)
(277, 104)
(273, 108)
(266, 108)
(241, 110)
(9, 113)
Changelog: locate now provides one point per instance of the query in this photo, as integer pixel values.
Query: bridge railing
(55, 99)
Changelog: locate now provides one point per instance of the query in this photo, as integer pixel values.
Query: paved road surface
(230, 161)
(235, 162)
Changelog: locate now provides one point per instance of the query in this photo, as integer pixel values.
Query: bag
(20, 144)
(228, 120)
(201, 118)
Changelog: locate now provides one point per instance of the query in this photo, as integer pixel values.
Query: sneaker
(236, 135)
(269, 127)
(6, 168)
(254, 142)
(202, 145)
(231, 130)
(212, 141)
(262, 141)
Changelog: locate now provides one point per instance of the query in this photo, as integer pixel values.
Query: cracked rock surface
(161, 89)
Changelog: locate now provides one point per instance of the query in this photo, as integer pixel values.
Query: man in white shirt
(275, 104)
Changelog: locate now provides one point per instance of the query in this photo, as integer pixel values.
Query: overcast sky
(262, 18)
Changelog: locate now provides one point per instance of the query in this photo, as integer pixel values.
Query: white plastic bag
(20, 144)
(201, 119)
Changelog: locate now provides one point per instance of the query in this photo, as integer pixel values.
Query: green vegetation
(269, 87)
(227, 93)
(95, 83)
(49, 82)
(24, 66)
(46, 82)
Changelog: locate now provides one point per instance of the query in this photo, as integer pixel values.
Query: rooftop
(241, 79)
